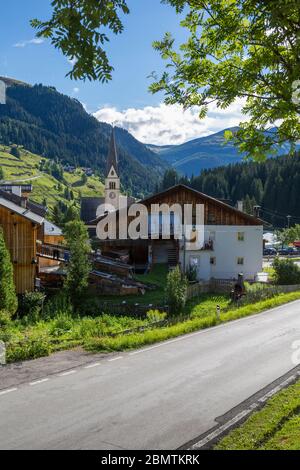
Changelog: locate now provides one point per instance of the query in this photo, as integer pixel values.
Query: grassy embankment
(196, 322)
(275, 427)
(56, 329)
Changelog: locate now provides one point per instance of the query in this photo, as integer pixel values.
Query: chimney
(240, 206)
(24, 202)
(17, 190)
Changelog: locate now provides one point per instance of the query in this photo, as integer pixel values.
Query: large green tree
(289, 235)
(239, 49)
(78, 267)
(79, 28)
(247, 49)
(8, 298)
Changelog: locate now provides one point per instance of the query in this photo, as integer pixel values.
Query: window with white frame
(241, 236)
(240, 261)
(213, 260)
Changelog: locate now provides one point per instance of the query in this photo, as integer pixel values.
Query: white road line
(38, 382)
(229, 323)
(5, 392)
(90, 366)
(69, 372)
(223, 428)
(115, 359)
(213, 435)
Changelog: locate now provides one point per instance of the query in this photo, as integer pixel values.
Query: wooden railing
(55, 252)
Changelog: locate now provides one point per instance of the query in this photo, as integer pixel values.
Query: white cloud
(35, 41)
(165, 125)
(76, 90)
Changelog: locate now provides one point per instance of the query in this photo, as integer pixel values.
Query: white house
(231, 240)
(234, 249)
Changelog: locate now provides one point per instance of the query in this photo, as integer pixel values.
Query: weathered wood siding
(215, 212)
(20, 236)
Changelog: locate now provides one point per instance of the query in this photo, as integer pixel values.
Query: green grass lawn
(275, 427)
(45, 186)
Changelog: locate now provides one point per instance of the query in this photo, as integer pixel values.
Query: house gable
(215, 211)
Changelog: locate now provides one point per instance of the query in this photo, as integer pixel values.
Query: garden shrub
(5, 318)
(61, 325)
(192, 273)
(57, 305)
(8, 297)
(176, 291)
(155, 316)
(286, 272)
(31, 304)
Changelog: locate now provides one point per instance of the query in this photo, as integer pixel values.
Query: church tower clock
(112, 180)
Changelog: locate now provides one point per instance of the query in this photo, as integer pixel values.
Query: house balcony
(52, 252)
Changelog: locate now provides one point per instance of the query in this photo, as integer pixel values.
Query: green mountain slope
(46, 188)
(57, 127)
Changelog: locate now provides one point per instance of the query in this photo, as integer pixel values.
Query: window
(241, 236)
(112, 185)
(194, 261)
(213, 260)
(211, 218)
(212, 236)
(240, 261)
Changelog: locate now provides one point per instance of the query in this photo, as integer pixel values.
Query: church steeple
(112, 180)
(112, 157)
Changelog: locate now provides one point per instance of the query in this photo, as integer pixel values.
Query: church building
(93, 207)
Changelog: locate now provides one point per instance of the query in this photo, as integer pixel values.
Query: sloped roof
(51, 229)
(155, 198)
(112, 157)
(89, 206)
(22, 211)
(217, 202)
(38, 209)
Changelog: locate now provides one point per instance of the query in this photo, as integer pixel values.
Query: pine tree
(79, 267)
(15, 151)
(8, 298)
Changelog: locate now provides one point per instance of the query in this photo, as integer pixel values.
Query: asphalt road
(156, 398)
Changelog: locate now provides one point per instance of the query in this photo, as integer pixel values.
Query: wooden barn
(21, 221)
(232, 239)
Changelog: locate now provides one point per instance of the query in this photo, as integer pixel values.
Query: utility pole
(288, 220)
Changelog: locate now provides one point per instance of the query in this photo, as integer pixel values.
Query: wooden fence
(129, 309)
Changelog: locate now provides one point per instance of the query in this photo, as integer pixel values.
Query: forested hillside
(59, 191)
(273, 184)
(55, 126)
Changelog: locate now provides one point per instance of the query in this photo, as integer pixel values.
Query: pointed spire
(112, 157)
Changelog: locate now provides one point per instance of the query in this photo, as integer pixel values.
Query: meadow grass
(137, 340)
(275, 427)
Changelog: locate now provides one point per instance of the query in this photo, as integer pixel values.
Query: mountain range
(203, 153)
(52, 125)
(55, 126)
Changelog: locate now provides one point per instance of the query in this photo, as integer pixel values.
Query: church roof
(89, 206)
(112, 157)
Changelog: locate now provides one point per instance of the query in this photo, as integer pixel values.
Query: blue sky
(126, 99)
